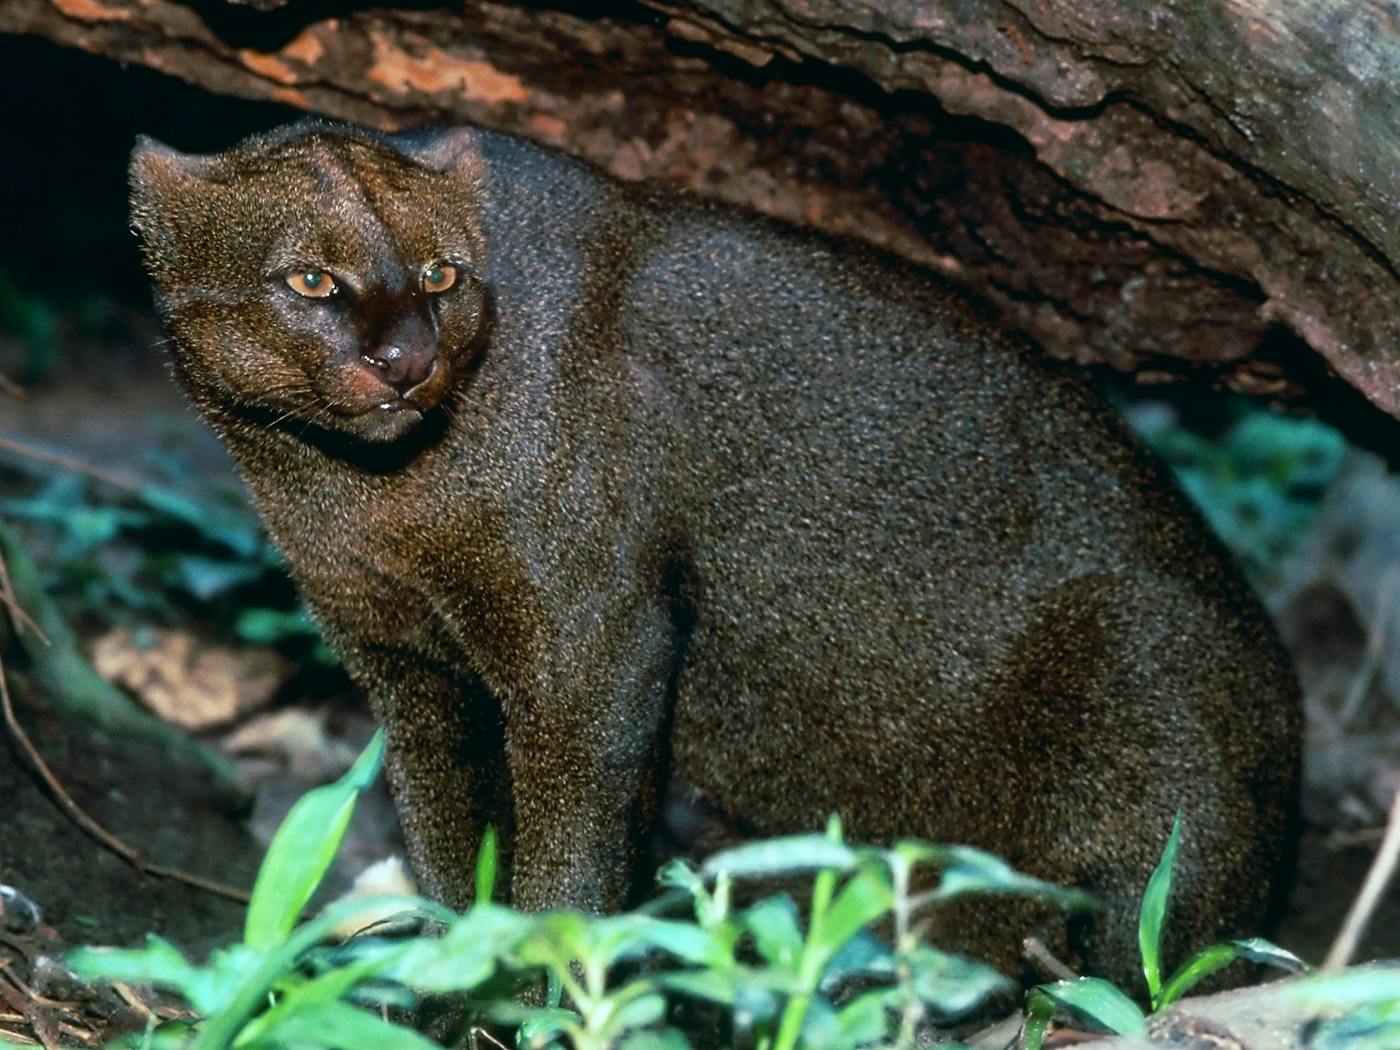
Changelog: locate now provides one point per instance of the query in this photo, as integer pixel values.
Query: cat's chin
(384, 424)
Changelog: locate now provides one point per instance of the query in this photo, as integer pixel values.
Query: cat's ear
(454, 151)
(158, 174)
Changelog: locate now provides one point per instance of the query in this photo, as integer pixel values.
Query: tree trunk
(1159, 187)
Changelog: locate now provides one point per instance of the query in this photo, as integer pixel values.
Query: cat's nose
(402, 367)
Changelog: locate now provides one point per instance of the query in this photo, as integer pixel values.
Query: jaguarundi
(597, 488)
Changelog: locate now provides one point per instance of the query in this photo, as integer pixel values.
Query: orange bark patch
(432, 70)
(305, 48)
(90, 11)
(269, 67)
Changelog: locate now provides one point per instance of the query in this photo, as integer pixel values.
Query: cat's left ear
(454, 151)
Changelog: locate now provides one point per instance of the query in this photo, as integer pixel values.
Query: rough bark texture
(1142, 185)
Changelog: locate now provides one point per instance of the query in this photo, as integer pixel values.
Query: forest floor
(109, 407)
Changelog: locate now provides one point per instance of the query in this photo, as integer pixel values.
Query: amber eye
(438, 277)
(314, 284)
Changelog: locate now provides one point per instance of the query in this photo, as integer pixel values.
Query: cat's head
(318, 276)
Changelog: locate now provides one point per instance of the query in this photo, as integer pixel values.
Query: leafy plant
(776, 975)
(1105, 1005)
(234, 989)
(161, 551)
(1370, 999)
(1258, 483)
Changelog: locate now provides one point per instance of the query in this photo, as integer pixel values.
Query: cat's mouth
(400, 404)
(380, 411)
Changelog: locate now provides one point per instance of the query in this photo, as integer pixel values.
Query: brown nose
(403, 368)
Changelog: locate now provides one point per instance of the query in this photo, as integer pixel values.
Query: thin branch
(1045, 962)
(19, 448)
(9, 386)
(89, 826)
(1376, 638)
(18, 614)
(1365, 904)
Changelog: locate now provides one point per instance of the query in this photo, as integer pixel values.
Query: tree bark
(1158, 187)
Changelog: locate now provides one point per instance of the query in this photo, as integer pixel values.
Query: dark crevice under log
(1148, 188)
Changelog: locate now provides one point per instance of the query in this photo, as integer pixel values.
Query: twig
(19, 448)
(9, 386)
(93, 829)
(481, 1033)
(1044, 962)
(1365, 904)
(1355, 837)
(1375, 646)
(129, 996)
(17, 611)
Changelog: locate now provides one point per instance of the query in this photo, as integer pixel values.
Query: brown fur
(693, 495)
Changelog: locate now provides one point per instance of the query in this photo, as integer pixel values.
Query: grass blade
(486, 861)
(1098, 1001)
(1154, 912)
(1218, 956)
(303, 848)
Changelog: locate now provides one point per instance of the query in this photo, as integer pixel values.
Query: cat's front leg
(585, 756)
(444, 762)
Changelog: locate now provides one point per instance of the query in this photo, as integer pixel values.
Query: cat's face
(317, 280)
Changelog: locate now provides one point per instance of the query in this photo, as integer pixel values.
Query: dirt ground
(111, 403)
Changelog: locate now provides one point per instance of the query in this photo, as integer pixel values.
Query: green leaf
(253, 974)
(656, 1039)
(555, 940)
(952, 985)
(865, 1019)
(777, 936)
(689, 943)
(208, 989)
(486, 860)
(1218, 956)
(864, 954)
(327, 987)
(1369, 1002)
(207, 578)
(544, 1026)
(1097, 1001)
(465, 955)
(711, 909)
(338, 1026)
(235, 530)
(1359, 987)
(160, 962)
(270, 626)
(638, 1013)
(821, 1029)
(303, 848)
(611, 939)
(1153, 914)
(1366, 1028)
(711, 985)
(968, 871)
(681, 875)
(792, 855)
(865, 897)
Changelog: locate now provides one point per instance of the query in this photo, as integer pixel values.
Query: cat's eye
(438, 277)
(314, 284)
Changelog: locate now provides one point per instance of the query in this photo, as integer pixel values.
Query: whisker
(315, 419)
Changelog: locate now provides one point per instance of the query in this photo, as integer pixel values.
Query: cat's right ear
(158, 174)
